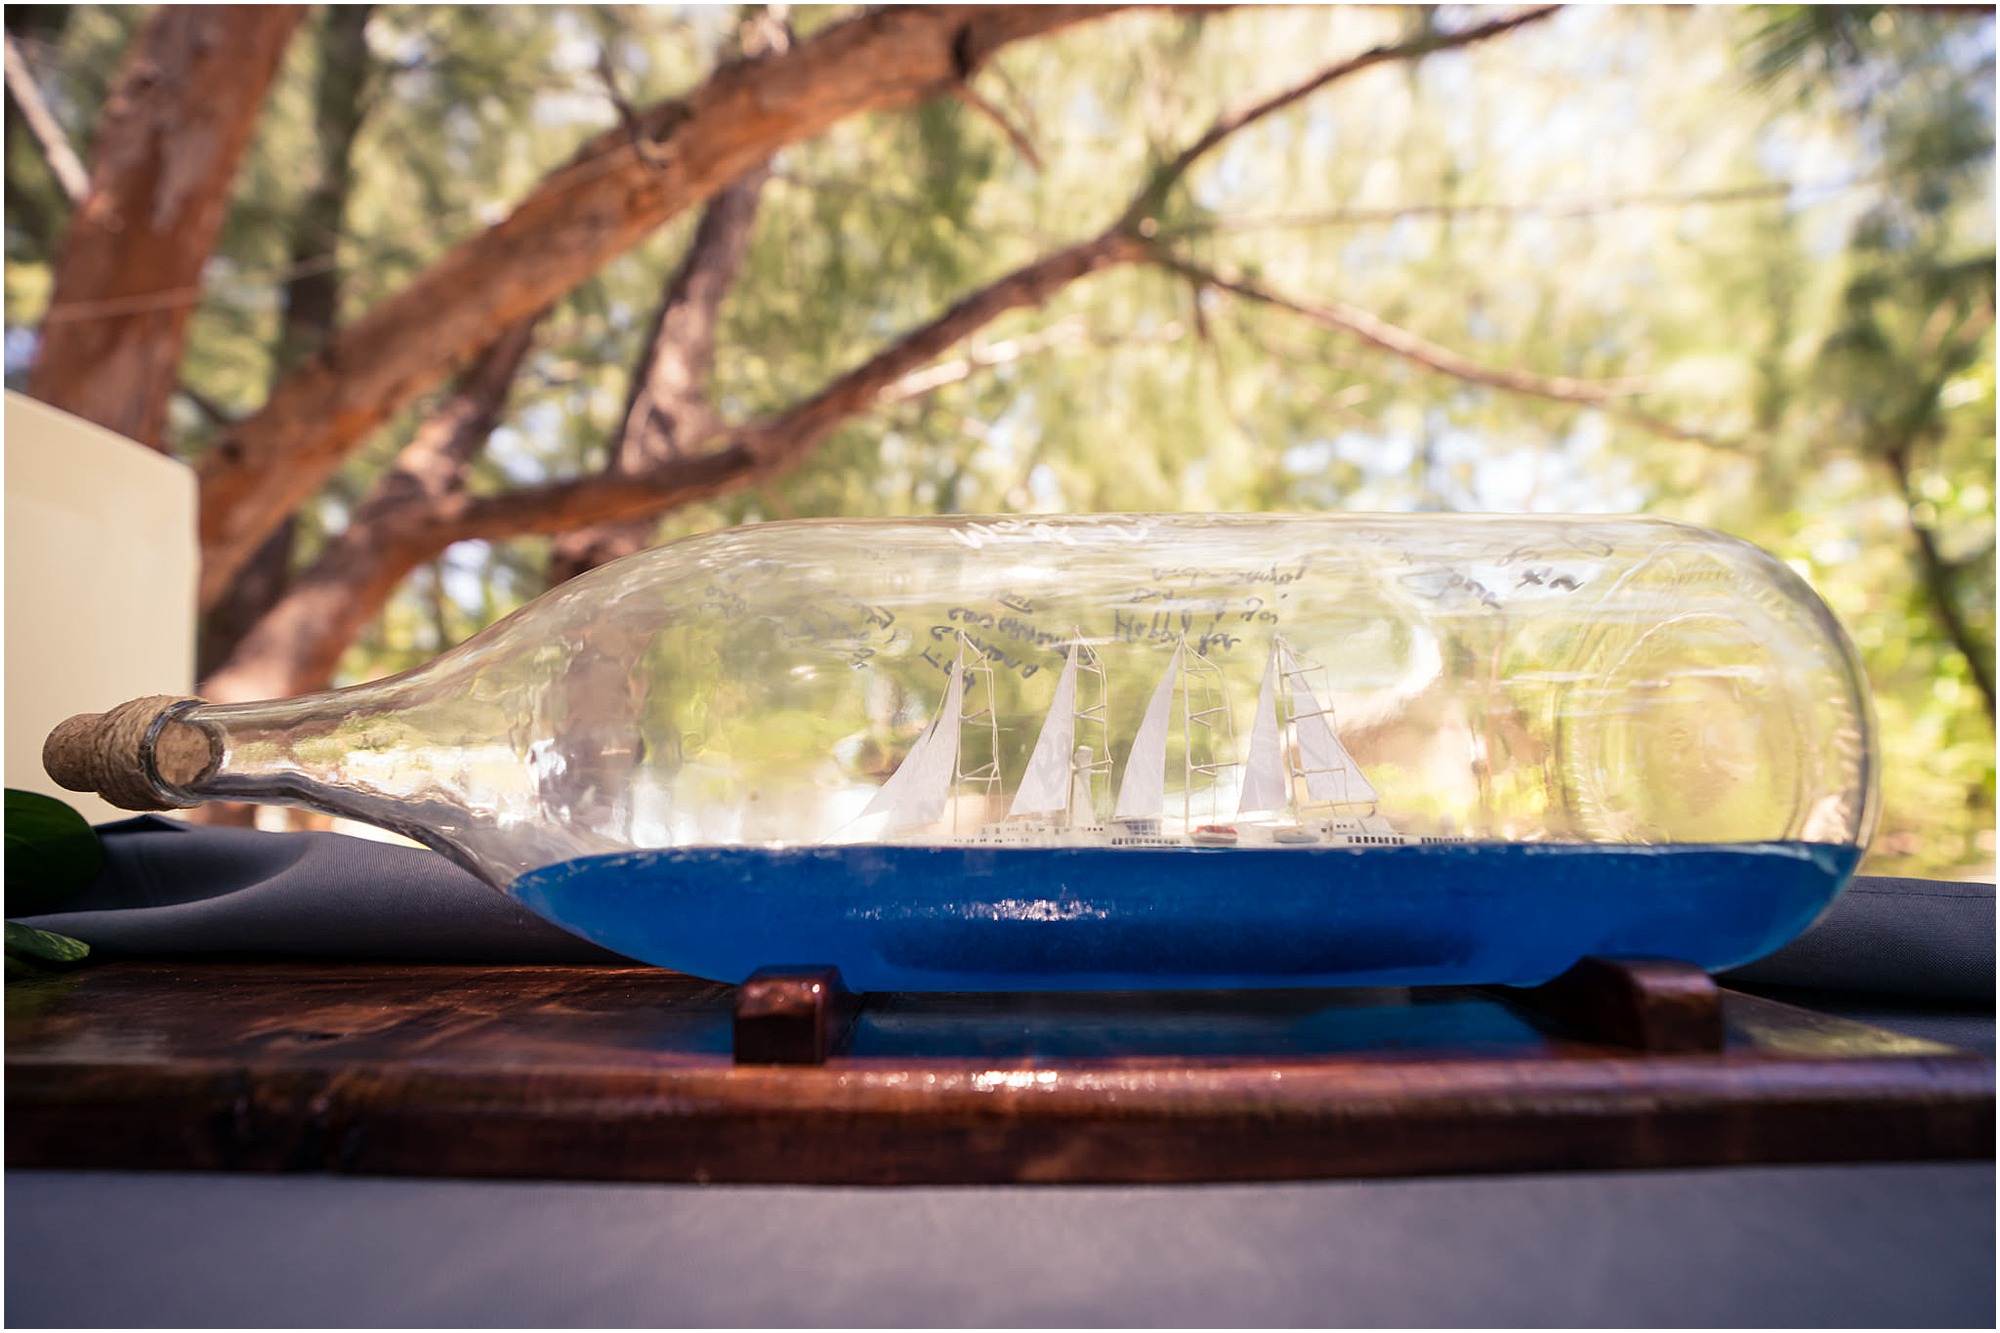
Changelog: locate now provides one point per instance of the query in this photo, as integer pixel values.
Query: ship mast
(931, 774)
(983, 775)
(1090, 766)
(1142, 795)
(1212, 720)
(1329, 772)
(1059, 777)
(1315, 759)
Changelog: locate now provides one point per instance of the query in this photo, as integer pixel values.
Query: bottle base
(958, 918)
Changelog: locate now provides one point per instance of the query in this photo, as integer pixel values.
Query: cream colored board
(100, 580)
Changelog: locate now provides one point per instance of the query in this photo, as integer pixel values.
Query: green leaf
(27, 942)
(51, 852)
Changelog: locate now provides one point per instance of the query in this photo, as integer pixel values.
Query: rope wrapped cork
(107, 753)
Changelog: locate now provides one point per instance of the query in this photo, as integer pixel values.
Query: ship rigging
(1298, 784)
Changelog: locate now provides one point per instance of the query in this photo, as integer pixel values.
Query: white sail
(1045, 786)
(1330, 771)
(1264, 784)
(1144, 790)
(917, 792)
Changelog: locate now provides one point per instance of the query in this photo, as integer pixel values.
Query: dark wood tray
(630, 1074)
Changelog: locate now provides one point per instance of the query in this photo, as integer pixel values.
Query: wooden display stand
(631, 1073)
(801, 1016)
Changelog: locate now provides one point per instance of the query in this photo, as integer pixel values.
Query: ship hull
(1090, 918)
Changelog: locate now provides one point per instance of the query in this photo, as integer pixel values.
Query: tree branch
(767, 448)
(751, 453)
(1410, 347)
(62, 159)
(937, 375)
(296, 644)
(1013, 133)
(607, 199)
(397, 538)
(668, 406)
(212, 411)
(1235, 122)
(1558, 209)
(1934, 576)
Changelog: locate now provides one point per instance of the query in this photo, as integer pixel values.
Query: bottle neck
(432, 761)
(339, 752)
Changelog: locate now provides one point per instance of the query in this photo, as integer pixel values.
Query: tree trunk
(340, 105)
(311, 296)
(667, 409)
(622, 186)
(162, 162)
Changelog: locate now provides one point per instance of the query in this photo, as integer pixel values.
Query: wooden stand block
(1659, 1005)
(792, 1016)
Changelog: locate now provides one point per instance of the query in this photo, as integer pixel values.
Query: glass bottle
(1114, 751)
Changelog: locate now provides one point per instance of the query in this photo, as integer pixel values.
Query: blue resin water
(1086, 918)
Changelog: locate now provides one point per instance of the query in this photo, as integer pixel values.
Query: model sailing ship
(1307, 793)
(924, 891)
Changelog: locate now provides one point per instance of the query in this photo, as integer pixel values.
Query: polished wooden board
(626, 1073)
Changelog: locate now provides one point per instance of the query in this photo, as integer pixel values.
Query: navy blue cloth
(173, 888)
(1922, 937)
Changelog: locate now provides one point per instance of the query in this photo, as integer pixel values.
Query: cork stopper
(108, 753)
